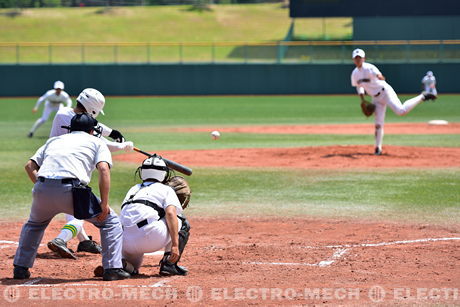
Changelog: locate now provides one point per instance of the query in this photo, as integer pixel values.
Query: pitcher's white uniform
(366, 80)
(53, 102)
(429, 83)
(143, 231)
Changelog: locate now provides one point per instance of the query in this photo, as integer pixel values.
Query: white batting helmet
(154, 168)
(59, 84)
(92, 100)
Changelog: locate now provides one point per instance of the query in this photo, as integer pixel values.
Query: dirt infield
(272, 260)
(260, 261)
(322, 157)
(329, 157)
(390, 128)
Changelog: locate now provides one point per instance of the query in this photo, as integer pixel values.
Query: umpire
(61, 170)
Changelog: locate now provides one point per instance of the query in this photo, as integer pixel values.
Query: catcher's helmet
(154, 168)
(92, 100)
(59, 84)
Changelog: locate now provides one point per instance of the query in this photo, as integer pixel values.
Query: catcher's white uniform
(143, 230)
(429, 83)
(52, 104)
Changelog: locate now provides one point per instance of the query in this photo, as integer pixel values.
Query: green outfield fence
(311, 52)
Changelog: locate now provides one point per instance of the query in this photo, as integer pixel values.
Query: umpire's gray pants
(51, 197)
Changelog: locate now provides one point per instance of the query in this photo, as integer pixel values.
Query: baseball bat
(171, 164)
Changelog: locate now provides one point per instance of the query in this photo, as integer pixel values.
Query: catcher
(151, 215)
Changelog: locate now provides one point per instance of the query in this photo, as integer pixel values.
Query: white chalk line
(342, 249)
(392, 243)
(324, 263)
(34, 283)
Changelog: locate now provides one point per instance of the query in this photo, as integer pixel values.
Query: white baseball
(215, 135)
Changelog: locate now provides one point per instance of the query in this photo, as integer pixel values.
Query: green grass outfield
(242, 22)
(429, 195)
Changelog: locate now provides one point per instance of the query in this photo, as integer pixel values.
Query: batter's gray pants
(51, 197)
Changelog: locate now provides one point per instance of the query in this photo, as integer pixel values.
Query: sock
(379, 136)
(68, 232)
(82, 236)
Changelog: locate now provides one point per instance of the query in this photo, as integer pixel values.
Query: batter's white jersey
(54, 100)
(63, 118)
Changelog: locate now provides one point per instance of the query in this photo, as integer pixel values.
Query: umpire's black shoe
(89, 246)
(115, 274)
(429, 96)
(58, 246)
(169, 269)
(21, 272)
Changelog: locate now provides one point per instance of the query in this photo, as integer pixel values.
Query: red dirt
(221, 255)
(322, 157)
(390, 128)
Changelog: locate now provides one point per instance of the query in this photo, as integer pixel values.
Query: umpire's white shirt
(158, 193)
(54, 99)
(366, 77)
(72, 155)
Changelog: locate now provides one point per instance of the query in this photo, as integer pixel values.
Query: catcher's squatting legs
(150, 238)
(73, 228)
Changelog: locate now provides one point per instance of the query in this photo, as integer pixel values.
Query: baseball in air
(215, 135)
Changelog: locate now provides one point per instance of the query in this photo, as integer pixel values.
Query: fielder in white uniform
(53, 100)
(429, 83)
(369, 80)
(91, 101)
(152, 219)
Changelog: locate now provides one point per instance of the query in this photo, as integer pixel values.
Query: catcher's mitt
(367, 108)
(182, 189)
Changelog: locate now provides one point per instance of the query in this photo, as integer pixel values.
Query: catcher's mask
(153, 168)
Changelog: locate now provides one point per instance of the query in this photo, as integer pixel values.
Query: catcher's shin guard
(184, 234)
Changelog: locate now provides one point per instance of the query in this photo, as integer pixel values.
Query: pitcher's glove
(182, 189)
(367, 108)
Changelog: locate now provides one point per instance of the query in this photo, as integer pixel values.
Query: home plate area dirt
(259, 261)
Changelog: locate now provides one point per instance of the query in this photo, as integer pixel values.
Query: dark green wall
(406, 28)
(214, 79)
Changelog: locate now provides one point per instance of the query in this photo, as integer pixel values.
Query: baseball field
(289, 206)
